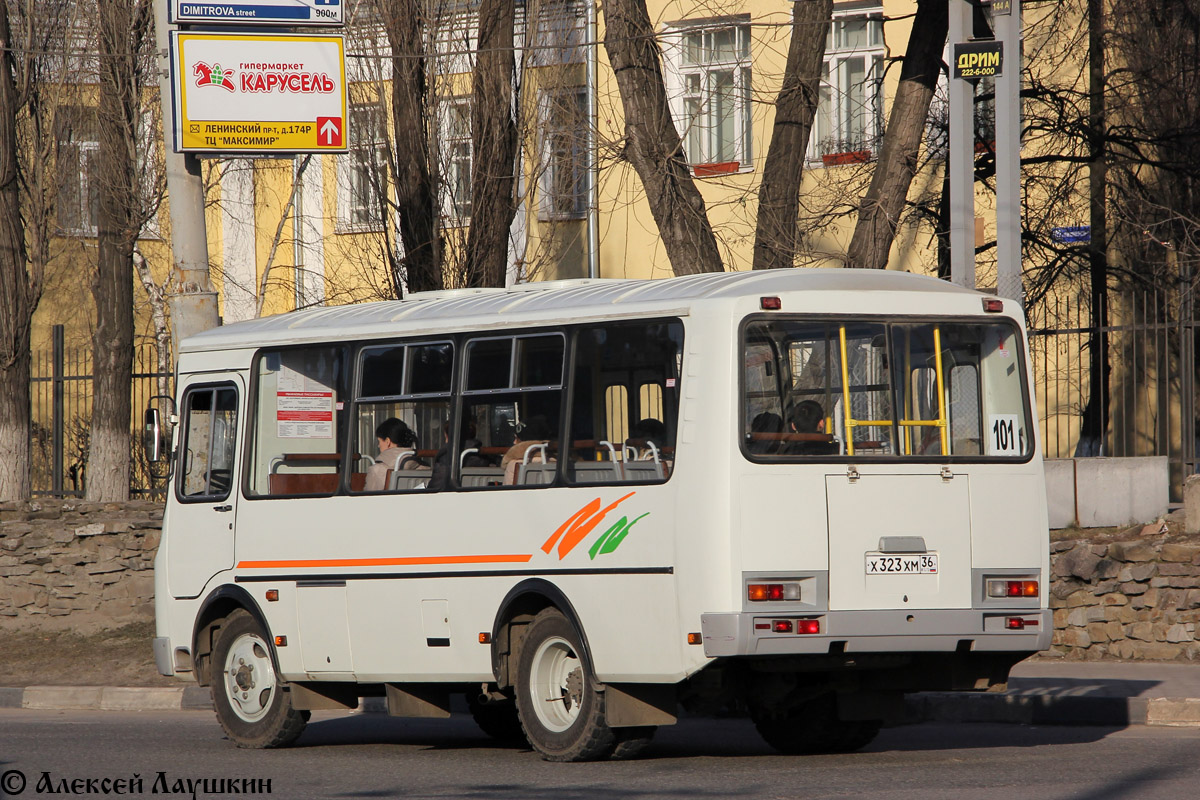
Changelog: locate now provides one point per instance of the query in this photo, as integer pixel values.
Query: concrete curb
(953, 707)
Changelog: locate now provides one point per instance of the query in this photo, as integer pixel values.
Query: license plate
(915, 564)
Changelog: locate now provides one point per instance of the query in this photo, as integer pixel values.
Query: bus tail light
(1002, 587)
(758, 592)
(993, 305)
(770, 303)
(1019, 623)
(807, 626)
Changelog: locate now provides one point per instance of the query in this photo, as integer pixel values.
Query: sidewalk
(1039, 693)
(1076, 693)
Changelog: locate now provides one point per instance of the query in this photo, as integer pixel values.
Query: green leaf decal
(611, 539)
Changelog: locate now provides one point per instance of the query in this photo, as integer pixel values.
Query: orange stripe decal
(579, 525)
(516, 558)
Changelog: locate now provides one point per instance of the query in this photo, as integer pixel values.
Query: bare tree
(406, 23)
(795, 107)
(494, 137)
(123, 28)
(880, 209)
(31, 35)
(653, 145)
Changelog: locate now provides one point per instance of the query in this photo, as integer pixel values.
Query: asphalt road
(368, 756)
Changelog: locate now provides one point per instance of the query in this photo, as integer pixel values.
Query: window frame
(825, 146)
(353, 165)
(80, 172)
(551, 101)
(887, 322)
(678, 72)
(455, 211)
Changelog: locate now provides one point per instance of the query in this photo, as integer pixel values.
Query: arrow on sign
(329, 129)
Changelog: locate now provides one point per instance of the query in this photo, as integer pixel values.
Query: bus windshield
(942, 389)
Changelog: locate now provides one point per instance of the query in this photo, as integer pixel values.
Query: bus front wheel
(253, 706)
(560, 709)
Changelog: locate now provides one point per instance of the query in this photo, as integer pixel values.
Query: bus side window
(511, 404)
(403, 388)
(624, 403)
(299, 437)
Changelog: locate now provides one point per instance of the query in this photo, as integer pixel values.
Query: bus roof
(547, 301)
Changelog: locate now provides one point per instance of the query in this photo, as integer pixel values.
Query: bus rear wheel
(560, 709)
(253, 706)
(814, 727)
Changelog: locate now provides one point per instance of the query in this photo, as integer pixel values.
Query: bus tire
(560, 710)
(253, 705)
(814, 728)
(499, 720)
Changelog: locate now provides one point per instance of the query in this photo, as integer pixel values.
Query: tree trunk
(795, 108)
(20, 289)
(494, 145)
(122, 29)
(404, 20)
(653, 145)
(880, 208)
(1095, 413)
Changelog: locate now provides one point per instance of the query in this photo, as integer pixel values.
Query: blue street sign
(260, 12)
(1072, 235)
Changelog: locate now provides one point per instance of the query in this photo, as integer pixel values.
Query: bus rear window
(938, 389)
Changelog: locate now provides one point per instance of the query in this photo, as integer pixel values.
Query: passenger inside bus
(768, 423)
(396, 444)
(808, 419)
(528, 447)
(648, 438)
(469, 448)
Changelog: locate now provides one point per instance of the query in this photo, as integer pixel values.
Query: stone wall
(1136, 599)
(79, 565)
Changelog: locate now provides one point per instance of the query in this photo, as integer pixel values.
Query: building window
(849, 119)
(78, 148)
(558, 34)
(710, 67)
(364, 170)
(563, 179)
(455, 126)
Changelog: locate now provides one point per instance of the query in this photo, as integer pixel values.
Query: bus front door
(200, 516)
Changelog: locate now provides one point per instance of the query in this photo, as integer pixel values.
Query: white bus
(798, 494)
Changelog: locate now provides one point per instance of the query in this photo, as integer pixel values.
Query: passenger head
(395, 431)
(534, 429)
(766, 422)
(651, 430)
(806, 416)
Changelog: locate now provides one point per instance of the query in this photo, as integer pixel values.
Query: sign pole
(192, 301)
(1006, 18)
(961, 162)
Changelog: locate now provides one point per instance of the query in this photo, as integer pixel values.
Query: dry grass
(117, 657)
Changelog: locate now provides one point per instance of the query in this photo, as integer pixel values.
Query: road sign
(258, 12)
(238, 93)
(1072, 234)
(982, 59)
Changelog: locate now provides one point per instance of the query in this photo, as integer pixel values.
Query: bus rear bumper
(890, 631)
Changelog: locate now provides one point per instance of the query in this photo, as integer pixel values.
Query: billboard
(258, 12)
(244, 94)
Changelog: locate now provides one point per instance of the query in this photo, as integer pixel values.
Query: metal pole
(962, 157)
(56, 484)
(1008, 156)
(1187, 373)
(593, 209)
(192, 301)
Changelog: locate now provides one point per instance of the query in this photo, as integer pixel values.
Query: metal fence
(1150, 407)
(62, 414)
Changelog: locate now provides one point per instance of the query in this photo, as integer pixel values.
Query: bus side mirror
(152, 436)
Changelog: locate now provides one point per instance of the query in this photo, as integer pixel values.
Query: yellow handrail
(847, 418)
(941, 390)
